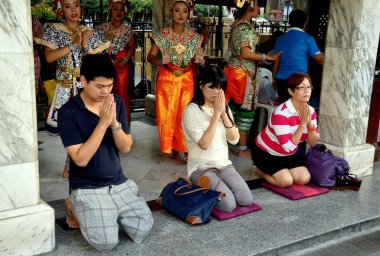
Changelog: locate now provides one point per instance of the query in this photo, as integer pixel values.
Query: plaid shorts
(100, 211)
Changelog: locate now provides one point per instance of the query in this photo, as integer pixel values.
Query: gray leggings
(232, 184)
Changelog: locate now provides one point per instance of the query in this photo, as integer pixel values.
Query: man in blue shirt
(94, 128)
(297, 47)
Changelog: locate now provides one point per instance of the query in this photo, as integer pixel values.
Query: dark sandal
(350, 181)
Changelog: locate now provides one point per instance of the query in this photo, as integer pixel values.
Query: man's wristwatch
(117, 128)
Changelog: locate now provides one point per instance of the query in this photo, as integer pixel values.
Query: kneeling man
(94, 128)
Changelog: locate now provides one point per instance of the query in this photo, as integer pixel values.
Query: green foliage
(92, 8)
(207, 10)
(140, 6)
(138, 9)
(44, 10)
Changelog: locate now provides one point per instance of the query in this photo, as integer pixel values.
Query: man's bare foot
(71, 219)
(65, 173)
(246, 152)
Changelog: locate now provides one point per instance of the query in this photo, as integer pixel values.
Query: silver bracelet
(72, 47)
(85, 49)
(263, 57)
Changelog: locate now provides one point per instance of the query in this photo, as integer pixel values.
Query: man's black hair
(297, 18)
(97, 65)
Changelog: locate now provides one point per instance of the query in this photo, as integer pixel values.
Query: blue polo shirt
(296, 46)
(76, 124)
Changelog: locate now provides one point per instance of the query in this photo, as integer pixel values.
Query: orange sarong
(173, 94)
(120, 83)
(236, 83)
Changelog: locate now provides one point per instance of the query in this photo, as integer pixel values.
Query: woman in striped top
(292, 122)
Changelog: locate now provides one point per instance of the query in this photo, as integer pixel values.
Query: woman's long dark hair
(241, 11)
(209, 74)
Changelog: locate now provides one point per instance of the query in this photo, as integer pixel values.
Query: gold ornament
(73, 34)
(178, 72)
(240, 3)
(189, 3)
(111, 2)
(179, 49)
(110, 36)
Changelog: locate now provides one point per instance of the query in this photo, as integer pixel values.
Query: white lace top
(195, 122)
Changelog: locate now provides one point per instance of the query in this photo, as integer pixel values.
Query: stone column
(351, 46)
(160, 19)
(26, 223)
(301, 5)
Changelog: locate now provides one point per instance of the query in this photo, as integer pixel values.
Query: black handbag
(189, 201)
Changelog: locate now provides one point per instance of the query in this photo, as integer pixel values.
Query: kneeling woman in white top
(208, 125)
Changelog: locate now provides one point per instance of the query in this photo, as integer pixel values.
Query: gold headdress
(190, 3)
(111, 2)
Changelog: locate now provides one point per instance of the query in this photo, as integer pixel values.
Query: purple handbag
(324, 167)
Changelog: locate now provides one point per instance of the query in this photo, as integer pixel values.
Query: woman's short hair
(296, 79)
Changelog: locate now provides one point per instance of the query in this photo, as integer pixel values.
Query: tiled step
(310, 244)
(361, 243)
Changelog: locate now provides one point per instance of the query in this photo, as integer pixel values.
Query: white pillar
(26, 223)
(351, 47)
(160, 19)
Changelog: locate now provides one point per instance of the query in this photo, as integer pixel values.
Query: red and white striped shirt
(276, 137)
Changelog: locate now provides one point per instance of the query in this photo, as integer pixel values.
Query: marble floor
(149, 168)
(306, 223)
(282, 227)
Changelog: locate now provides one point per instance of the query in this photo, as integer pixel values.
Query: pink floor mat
(240, 210)
(296, 192)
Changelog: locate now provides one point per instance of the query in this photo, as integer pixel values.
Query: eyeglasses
(304, 88)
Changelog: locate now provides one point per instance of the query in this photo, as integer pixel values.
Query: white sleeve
(191, 123)
(235, 141)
